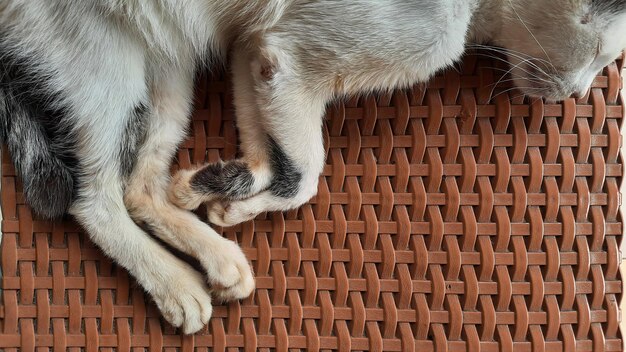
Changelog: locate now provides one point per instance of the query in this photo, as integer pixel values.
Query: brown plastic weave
(445, 220)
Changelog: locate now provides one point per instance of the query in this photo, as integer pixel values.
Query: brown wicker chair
(456, 216)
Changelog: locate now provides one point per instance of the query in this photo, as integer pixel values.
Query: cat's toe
(181, 193)
(184, 301)
(215, 213)
(226, 214)
(240, 290)
(229, 272)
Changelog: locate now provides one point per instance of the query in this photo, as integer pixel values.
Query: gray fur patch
(33, 125)
(3, 116)
(134, 135)
(47, 182)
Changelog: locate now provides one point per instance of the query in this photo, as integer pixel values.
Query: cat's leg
(231, 179)
(90, 71)
(227, 267)
(179, 291)
(291, 115)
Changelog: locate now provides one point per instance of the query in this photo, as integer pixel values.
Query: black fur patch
(232, 180)
(35, 127)
(4, 113)
(287, 177)
(26, 86)
(133, 137)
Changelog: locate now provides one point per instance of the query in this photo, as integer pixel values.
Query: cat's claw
(229, 272)
(227, 214)
(184, 300)
(181, 193)
(240, 288)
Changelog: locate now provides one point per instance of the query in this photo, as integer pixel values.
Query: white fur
(104, 58)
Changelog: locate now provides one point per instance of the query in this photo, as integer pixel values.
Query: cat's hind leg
(284, 139)
(226, 266)
(232, 179)
(179, 291)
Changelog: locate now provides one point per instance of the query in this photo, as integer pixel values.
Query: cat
(95, 97)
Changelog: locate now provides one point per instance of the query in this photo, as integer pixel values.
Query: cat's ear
(586, 18)
(585, 9)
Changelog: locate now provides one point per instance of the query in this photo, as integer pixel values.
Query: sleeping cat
(95, 97)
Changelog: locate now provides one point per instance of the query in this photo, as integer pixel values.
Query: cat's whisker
(532, 34)
(504, 70)
(513, 67)
(511, 52)
(533, 77)
(515, 54)
(504, 75)
(520, 68)
(521, 89)
(531, 62)
(495, 84)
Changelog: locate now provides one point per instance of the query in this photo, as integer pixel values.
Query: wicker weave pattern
(445, 220)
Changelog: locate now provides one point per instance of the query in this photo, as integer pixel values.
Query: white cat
(95, 97)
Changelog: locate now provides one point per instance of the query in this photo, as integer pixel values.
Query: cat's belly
(415, 55)
(368, 45)
(400, 72)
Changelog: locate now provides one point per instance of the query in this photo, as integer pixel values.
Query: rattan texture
(452, 216)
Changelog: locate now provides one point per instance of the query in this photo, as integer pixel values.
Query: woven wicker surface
(445, 219)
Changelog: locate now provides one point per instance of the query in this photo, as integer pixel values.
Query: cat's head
(556, 47)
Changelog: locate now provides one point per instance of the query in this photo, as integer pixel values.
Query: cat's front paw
(229, 272)
(184, 300)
